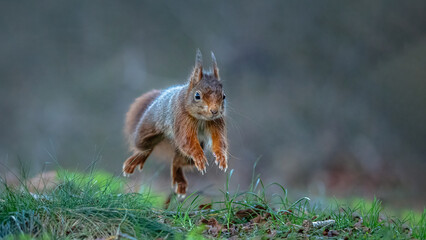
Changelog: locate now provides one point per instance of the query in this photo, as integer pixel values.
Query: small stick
(308, 224)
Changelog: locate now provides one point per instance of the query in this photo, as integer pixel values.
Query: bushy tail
(135, 112)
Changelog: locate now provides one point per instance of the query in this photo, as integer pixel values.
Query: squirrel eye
(224, 96)
(197, 96)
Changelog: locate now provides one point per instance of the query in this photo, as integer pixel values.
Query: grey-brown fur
(187, 115)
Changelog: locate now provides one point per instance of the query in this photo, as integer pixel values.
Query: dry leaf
(245, 213)
(330, 233)
(205, 206)
(358, 224)
(213, 226)
(204, 221)
(288, 212)
(333, 233)
(259, 220)
(251, 212)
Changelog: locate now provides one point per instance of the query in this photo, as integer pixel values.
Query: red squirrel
(189, 116)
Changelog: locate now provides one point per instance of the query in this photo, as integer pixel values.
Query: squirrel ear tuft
(197, 74)
(215, 68)
(198, 59)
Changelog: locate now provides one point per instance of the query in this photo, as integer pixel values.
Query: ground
(94, 206)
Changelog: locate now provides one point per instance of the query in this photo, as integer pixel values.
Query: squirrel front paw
(200, 162)
(221, 161)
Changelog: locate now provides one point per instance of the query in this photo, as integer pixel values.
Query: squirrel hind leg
(147, 139)
(179, 182)
(133, 161)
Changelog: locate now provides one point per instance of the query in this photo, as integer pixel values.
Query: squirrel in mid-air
(189, 116)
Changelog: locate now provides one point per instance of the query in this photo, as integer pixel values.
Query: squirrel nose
(213, 111)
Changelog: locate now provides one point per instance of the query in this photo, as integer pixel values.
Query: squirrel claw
(221, 161)
(126, 173)
(223, 168)
(181, 196)
(201, 169)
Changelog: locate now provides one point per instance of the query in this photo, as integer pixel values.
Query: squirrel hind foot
(132, 162)
(126, 172)
(181, 196)
(180, 188)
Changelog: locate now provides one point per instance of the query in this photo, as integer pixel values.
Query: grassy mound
(93, 206)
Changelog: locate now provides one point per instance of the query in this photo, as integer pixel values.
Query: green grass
(93, 205)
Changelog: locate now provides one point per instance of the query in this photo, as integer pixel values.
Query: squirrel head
(205, 99)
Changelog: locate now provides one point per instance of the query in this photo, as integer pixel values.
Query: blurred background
(330, 97)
